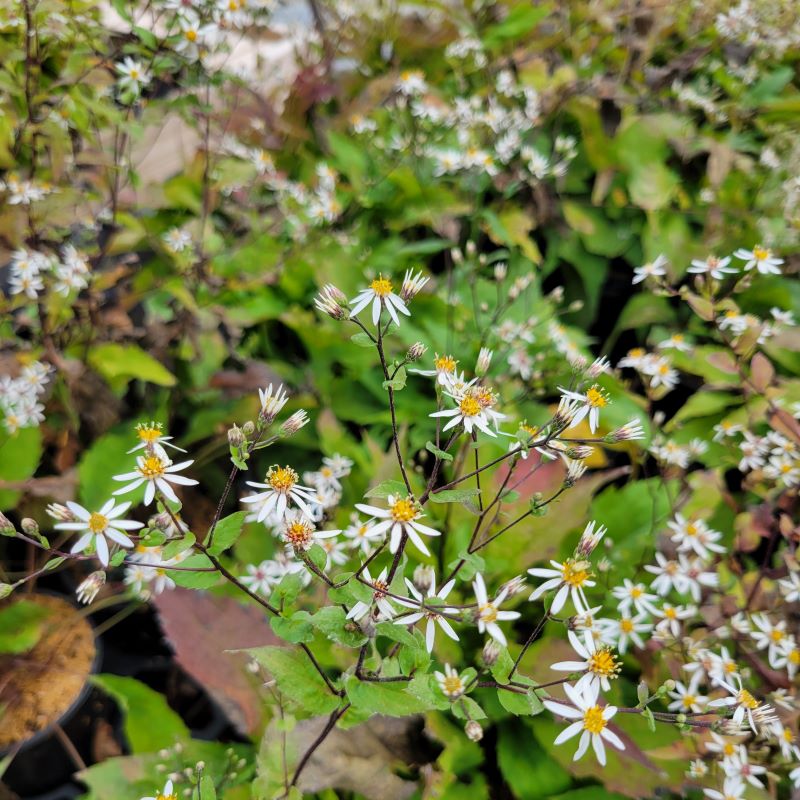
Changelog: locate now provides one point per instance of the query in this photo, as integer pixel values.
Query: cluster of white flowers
(28, 269)
(21, 192)
(19, 397)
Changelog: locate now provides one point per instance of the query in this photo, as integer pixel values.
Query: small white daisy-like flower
(167, 793)
(591, 721)
(671, 618)
(599, 664)
(260, 578)
(299, 532)
(744, 704)
(450, 682)
(443, 367)
(474, 409)
(696, 536)
(400, 518)
(570, 578)
(488, 613)
(133, 76)
(717, 268)
(677, 341)
(761, 258)
(633, 594)
(97, 527)
(726, 429)
(619, 632)
(380, 294)
(88, 588)
(412, 285)
(686, 698)
(732, 789)
(272, 401)
(653, 269)
(361, 534)
(151, 434)
(177, 240)
(281, 488)
(738, 766)
(158, 472)
(769, 636)
(588, 405)
(380, 601)
(433, 617)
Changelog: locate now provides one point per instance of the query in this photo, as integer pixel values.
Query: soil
(37, 687)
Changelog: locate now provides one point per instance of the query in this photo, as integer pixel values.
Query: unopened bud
(6, 528)
(500, 271)
(5, 590)
(484, 361)
(514, 586)
(575, 305)
(89, 588)
(471, 249)
(60, 513)
(236, 436)
(490, 653)
(294, 423)
(473, 730)
(423, 578)
(642, 692)
(332, 301)
(30, 526)
(248, 429)
(200, 766)
(416, 351)
(669, 685)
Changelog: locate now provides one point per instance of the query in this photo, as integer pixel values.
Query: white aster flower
(488, 613)
(97, 527)
(133, 76)
(158, 472)
(732, 789)
(588, 404)
(401, 518)
(599, 664)
(761, 258)
(433, 617)
(151, 434)
(717, 268)
(379, 601)
(570, 578)
(591, 721)
(652, 269)
(380, 294)
(450, 682)
(474, 409)
(281, 488)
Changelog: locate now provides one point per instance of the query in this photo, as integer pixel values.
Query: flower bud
(5, 590)
(248, 429)
(500, 271)
(30, 527)
(642, 692)
(514, 586)
(423, 577)
(484, 361)
(89, 588)
(6, 528)
(236, 437)
(471, 248)
(416, 351)
(669, 685)
(293, 424)
(332, 301)
(490, 653)
(60, 513)
(473, 730)
(456, 255)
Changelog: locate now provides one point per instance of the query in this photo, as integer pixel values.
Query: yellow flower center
(380, 588)
(191, 35)
(603, 663)
(172, 796)
(574, 573)
(691, 529)
(148, 433)
(730, 667)
(794, 656)
(636, 352)
(134, 73)
(688, 700)
(595, 397)
(97, 523)
(152, 467)
(444, 363)
(593, 720)
(404, 510)
(281, 479)
(760, 253)
(470, 406)
(531, 430)
(788, 735)
(299, 534)
(452, 685)
(626, 626)
(381, 286)
(488, 612)
(747, 700)
(776, 635)
(728, 749)
(485, 397)
(636, 592)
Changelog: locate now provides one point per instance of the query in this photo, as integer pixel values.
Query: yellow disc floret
(97, 522)
(152, 467)
(603, 663)
(470, 406)
(593, 720)
(281, 479)
(404, 510)
(575, 573)
(381, 286)
(596, 398)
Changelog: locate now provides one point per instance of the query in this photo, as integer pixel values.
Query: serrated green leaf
(226, 532)
(454, 495)
(390, 699)
(294, 629)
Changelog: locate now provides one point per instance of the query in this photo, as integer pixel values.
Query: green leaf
(454, 495)
(350, 157)
(333, 623)
(21, 626)
(526, 767)
(519, 22)
(425, 688)
(150, 723)
(120, 363)
(385, 488)
(390, 699)
(294, 629)
(287, 589)
(207, 790)
(296, 679)
(362, 339)
(473, 563)
(398, 382)
(704, 404)
(177, 546)
(19, 457)
(195, 580)
(226, 532)
(317, 556)
(432, 448)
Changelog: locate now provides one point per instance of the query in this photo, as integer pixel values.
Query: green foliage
(21, 626)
